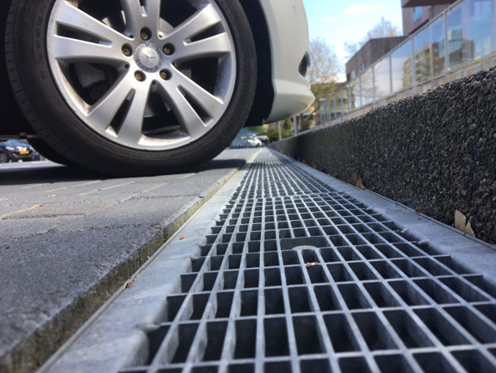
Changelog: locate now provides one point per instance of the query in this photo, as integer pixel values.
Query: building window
(417, 13)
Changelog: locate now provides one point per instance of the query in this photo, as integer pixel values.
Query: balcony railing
(462, 34)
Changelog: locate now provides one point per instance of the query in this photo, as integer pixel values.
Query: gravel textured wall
(434, 152)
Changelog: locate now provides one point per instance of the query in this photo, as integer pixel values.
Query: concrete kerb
(39, 346)
(144, 298)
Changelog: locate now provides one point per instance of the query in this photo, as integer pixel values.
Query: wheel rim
(149, 77)
(3, 158)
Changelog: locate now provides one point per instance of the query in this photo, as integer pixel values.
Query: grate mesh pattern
(296, 277)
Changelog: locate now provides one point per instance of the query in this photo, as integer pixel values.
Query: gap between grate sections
(297, 277)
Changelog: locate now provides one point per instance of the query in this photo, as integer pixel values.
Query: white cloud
(363, 8)
(329, 19)
(343, 31)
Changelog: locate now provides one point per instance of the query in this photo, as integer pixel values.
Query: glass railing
(463, 33)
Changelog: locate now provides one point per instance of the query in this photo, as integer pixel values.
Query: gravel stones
(435, 152)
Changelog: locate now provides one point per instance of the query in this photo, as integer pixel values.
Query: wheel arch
(264, 96)
(13, 124)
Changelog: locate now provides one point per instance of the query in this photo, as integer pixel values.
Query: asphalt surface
(69, 239)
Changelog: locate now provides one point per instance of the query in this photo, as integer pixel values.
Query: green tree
(322, 76)
(325, 62)
(272, 130)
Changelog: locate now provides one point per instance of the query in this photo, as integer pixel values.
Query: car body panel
(288, 29)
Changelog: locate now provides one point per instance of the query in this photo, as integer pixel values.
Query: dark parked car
(13, 150)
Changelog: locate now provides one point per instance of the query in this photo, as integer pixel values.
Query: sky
(339, 21)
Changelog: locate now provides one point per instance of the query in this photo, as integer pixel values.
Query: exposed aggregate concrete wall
(434, 152)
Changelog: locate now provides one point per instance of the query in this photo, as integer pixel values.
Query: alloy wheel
(147, 75)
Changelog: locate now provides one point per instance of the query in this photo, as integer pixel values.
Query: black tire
(47, 152)
(4, 158)
(61, 129)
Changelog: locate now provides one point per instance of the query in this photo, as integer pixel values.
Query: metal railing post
(391, 74)
(323, 118)
(373, 84)
(335, 112)
(414, 63)
(350, 98)
(446, 44)
(360, 88)
(329, 110)
(493, 25)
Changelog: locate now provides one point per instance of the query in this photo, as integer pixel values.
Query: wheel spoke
(215, 46)
(208, 102)
(134, 15)
(202, 20)
(131, 129)
(153, 14)
(105, 110)
(185, 113)
(75, 18)
(64, 48)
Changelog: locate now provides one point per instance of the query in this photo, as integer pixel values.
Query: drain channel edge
(298, 274)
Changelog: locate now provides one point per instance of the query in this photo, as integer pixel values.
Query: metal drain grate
(296, 277)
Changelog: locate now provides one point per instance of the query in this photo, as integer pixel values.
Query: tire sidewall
(58, 126)
(4, 158)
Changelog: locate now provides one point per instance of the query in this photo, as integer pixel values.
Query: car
(254, 142)
(14, 151)
(246, 140)
(264, 139)
(147, 87)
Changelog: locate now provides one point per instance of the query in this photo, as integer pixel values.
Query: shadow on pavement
(49, 172)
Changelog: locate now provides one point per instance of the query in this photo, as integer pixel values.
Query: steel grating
(297, 277)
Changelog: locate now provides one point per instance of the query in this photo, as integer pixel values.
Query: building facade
(414, 17)
(458, 41)
(416, 14)
(371, 52)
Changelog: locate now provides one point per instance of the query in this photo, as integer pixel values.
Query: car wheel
(48, 152)
(128, 86)
(4, 158)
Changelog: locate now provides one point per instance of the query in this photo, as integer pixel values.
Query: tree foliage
(324, 90)
(383, 29)
(325, 63)
(272, 130)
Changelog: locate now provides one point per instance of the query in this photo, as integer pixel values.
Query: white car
(149, 86)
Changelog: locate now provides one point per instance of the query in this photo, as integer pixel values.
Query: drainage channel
(296, 276)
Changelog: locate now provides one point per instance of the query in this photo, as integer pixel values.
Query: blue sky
(339, 21)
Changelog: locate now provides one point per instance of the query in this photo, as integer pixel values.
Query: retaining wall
(434, 152)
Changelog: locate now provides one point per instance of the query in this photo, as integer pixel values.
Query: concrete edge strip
(39, 346)
(142, 297)
(475, 254)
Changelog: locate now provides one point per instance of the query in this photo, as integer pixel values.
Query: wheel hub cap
(148, 57)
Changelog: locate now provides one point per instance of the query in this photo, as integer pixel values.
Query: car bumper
(21, 157)
(288, 29)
